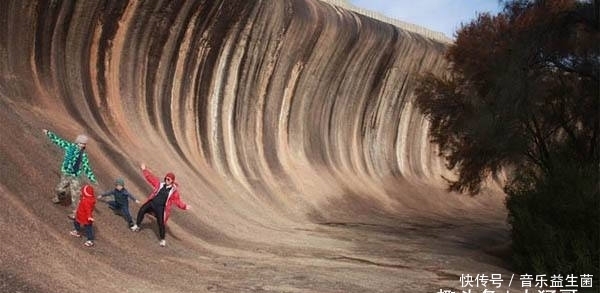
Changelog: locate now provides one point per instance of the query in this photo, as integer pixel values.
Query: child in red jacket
(83, 215)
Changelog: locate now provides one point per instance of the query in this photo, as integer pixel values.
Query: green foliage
(556, 220)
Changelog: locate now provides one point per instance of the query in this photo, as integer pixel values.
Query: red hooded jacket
(173, 197)
(86, 205)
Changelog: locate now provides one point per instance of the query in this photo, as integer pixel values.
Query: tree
(521, 91)
(522, 95)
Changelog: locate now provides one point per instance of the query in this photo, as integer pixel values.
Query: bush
(556, 221)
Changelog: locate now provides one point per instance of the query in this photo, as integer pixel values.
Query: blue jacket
(121, 196)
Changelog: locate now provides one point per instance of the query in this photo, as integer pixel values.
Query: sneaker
(135, 228)
(71, 216)
(74, 233)
(88, 243)
(55, 200)
(162, 243)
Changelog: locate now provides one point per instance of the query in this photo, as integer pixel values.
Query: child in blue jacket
(121, 199)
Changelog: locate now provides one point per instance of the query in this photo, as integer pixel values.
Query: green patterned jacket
(71, 151)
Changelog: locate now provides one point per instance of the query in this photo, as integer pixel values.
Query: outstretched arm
(57, 140)
(132, 197)
(179, 203)
(88, 170)
(110, 192)
(153, 180)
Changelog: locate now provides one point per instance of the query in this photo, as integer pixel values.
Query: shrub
(556, 221)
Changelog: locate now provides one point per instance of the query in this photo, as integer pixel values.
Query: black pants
(159, 212)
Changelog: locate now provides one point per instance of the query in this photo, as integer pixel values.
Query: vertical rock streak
(274, 97)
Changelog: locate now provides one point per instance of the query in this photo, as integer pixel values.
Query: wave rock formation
(288, 123)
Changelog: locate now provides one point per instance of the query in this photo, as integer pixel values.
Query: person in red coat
(83, 215)
(163, 196)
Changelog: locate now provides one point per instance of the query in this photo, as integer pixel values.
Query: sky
(438, 15)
